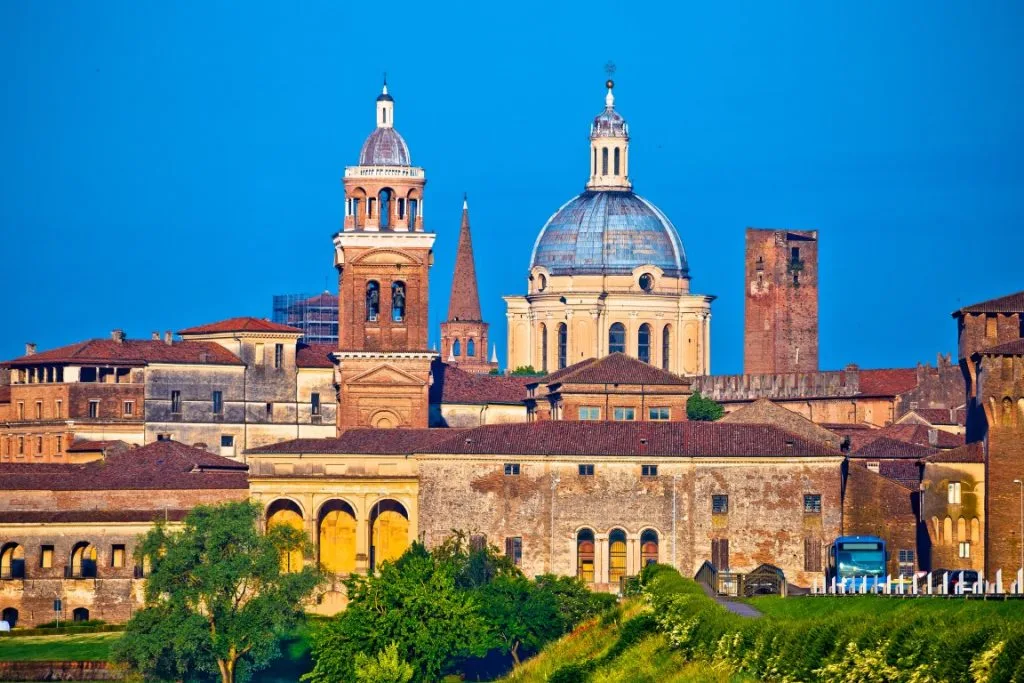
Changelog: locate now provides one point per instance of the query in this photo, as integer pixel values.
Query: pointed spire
(465, 300)
(494, 353)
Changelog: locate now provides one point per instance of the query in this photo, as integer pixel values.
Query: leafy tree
(520, 614)
(473, 567)
(216, 597)
(703, 409)
(527, 370)
(386, 667)
(575, 602)
(413, 602)
(494, 371)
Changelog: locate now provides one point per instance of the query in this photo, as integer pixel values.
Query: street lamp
(1020, 542)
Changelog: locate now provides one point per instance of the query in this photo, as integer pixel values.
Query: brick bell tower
(383, 256)
(464, 334)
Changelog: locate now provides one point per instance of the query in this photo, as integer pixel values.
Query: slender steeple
(464, 304)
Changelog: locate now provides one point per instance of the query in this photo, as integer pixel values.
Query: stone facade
(781, 297)
(875, 505)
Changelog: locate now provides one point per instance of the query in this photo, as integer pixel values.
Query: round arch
(287, 512)
(336, 528)
(616, 554)
(385, 419)
(10, 615)
(83, 560)
(12, 561)
(585, 554)
(650, 544)
(389, 531)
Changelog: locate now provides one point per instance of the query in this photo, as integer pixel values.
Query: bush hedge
(63, 630)
(906, 645)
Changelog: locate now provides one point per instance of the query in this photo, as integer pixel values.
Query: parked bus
(852, 558)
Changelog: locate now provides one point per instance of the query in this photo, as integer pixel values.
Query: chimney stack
(155, 336)
(30, 348)
(933, 437)
(168, 338)
(117, 335)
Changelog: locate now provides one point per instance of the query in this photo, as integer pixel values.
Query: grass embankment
(676, 633)
(80, 647)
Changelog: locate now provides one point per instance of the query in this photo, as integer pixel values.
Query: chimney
(168, 338)
(117, 335)
(30, 348)
(933, 437)
(155, 336)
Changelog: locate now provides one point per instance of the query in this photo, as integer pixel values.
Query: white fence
(924, 583)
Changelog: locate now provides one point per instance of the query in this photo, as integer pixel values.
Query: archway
(12, 562)
(648, 547)
(80, 614)
(385, 208)
(337, 526)
(389, 532)
(10, 615)
(287, 512)
(585, 555)
(83, 561)
(616, 555)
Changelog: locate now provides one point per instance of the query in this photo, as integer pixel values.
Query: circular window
(647, 282)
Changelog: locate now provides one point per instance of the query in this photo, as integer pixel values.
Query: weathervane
(609, 69)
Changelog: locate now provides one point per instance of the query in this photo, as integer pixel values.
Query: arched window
(648, 547)
(1007, 420)
(563, 343)
(585, 555)
(83, 561)
(616, 161)
(643, 343)
(666, 348)
(543, 347)
(457, 348)
(542, 283)
(961, 529)
(80, 614)
(414, 206)
(470, 348)
(947, 531)
(12, 562)
(604, 161)
(937, 530)
(373, 301)
(617, 338)
(975, 530)
(385, 209)
(616, 555)
(398, 301)
(10, 615)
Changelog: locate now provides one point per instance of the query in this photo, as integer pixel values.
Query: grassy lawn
(81, 647)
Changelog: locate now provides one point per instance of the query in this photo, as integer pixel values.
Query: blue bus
(852, 558)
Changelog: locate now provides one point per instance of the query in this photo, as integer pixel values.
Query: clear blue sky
(168, 164)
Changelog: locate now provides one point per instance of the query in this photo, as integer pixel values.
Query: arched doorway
(389, 532)
(585, 555)
(80, 614)
(288, 513)
(648, 547)
(10, 615)
(12, 562)
(83, 561)
(337, 527)
(616, 555)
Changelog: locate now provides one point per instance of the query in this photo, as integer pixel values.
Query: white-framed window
(512, 469)
(625, 414)
(953, 493)
(94, 408)
(659, 414)
(586, 470)
(965, 549)
(648, 470)
(128, 409)
(590, 413)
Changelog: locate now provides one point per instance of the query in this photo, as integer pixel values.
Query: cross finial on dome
(384, 90)
(609, 99)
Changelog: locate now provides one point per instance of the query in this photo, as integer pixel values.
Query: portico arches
(389, 531)
(286, 512)
(336, 525)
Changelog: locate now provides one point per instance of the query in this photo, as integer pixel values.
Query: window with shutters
(720, 553)
(514, 550)
(812, 555)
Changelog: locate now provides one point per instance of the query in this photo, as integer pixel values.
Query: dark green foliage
(494, 371)
(528, 371)
(64, 623)
(631, 633)
(519, 613)
(576, 672)
(703, 409)
(216, 598)
(576, 603)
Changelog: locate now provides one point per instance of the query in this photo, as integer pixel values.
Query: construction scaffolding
(315, 314)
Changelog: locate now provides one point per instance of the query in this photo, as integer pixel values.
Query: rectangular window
(270, 411)
(94, 408)
(720, 553)
(259, 355)
(218, 403)
(991, 325)
(21, 410)
(586, 470)
(117, 556)
(906, 562)
(953, 493)
(812, 555)
(625, 414)
(719, 504)
(511, 468)
(812, 503)
(21, 445)
(314, 403)
(227, 441)
(128, 408)
(60, 443)
(176, 402)
(648, 470)
(278, 355)
(873, 466)
(58, 409)
(658, 414)
(163, 437)
(39, 410)
(39, 445)
(46, 557)
(965, 549)
(514, 550)
(590, 413)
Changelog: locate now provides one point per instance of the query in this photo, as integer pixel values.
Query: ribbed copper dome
(384, 147)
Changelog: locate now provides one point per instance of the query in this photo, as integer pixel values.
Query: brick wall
(876, 506)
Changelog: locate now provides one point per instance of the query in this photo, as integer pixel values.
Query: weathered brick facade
(781, 285)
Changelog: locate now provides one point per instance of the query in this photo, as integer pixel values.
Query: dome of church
(384, 147)
(608, 232)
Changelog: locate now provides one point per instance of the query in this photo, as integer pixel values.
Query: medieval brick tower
(383, 256)
(781, 332)
(464, 334)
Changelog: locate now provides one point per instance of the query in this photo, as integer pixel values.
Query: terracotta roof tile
(972, 452)
(242, 324)
(1011, 303)
(86, 446)
(465, 300)
(618, 368)
(905, 472)
(921, 435)
(558, 374)
(1013, 348)
(71, 516)
(884, 447)
(685, 439)
(133, 352)
(362, 440)
(938, 416)
(763, 411)
(159, 465)
(314, 355)
(452, 385)
(887, 382)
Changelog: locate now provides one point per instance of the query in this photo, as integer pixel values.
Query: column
(363, 536)
(600, 558)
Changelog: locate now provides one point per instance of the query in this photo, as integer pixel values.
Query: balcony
(385, 171)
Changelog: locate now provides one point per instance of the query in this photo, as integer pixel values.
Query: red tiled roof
(618, 368)
(452, 385)
(86, 446)
(685, 439)
(905, 472)
(884, 447)
(938, 416)
(243, 324)
(314, 355)
(71, 516)
(558, 374)
(159, 465)
(1013, 348)
(840, 427)
(133, 352)
(1011, 303)
(921, 435)
(972, 452)
(887, 382)
(362, 440)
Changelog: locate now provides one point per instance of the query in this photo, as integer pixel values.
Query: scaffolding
(315, 314)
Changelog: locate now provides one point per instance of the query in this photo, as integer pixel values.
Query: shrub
(572, 673)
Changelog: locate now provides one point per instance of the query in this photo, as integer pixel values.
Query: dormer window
(647, 282)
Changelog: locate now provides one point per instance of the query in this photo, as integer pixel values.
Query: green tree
(576, 603)
(527, 370)
(703, 409)
(413, 602)
(216, 598)
(520, 614)
(386, 667)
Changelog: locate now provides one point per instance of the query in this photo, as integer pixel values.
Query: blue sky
(168, 164)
